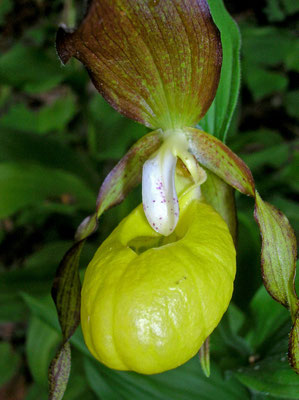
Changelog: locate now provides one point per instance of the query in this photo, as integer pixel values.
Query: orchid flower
(158, 62)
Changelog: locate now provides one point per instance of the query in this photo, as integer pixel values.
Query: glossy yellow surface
(148, 301)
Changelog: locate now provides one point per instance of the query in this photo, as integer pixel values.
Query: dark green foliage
(59, 139)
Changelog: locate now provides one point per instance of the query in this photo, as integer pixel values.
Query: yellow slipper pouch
(149, 301)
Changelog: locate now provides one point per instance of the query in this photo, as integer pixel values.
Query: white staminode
(159, 196)
(160, 201)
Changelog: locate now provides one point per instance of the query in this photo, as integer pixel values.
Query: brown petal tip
(64, 46)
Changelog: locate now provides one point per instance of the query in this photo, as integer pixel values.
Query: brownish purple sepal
(157, 62)
(218, 158)
(66, 291)
(279, 254)
(87, 227)
(59, 372)
(120, 181)
(127, 173)
(294, 345)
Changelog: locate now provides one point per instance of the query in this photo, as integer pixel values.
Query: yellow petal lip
(149, 301)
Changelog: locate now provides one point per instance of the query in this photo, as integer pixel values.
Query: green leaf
(23, 185)
(271, 376)
(291, 60)
(102, 119)
(44, 308)
(291, 101)
(30, 69)
(261, 138)
(35, 392)
(263, 49)
(143, 68)
(41, 343)
(262, 82)
(227, 346)
(9, 362)
(273, 156)
(30, 278)
(218, 158)
(78, 387)
(274, 11)
(265, 46)
(267, 317)
(46, 151)
(279, 251)
(277, 10)
(290, 173)
(53, 117)
(59, 372)
(291, 7)
(184, 383)
(13, 311)
(98, 383)
(6, 7)
(218, 118)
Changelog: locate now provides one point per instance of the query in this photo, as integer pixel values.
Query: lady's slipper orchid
(149, 301)
(158, 62)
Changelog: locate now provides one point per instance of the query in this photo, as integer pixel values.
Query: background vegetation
(58, 140)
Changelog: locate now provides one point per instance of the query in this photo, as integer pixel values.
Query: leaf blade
(272, 376)
(218, 118)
